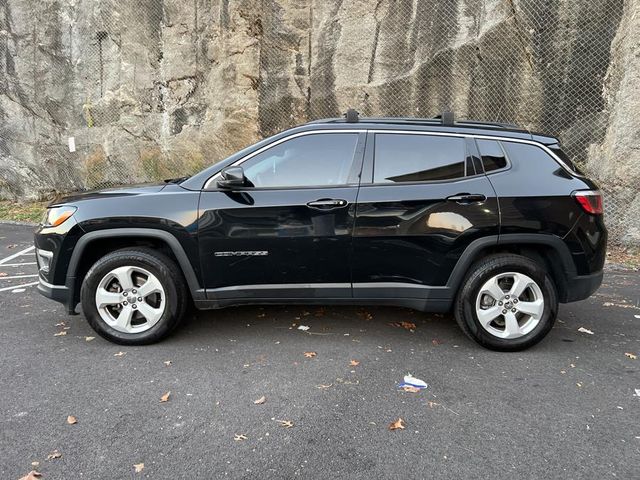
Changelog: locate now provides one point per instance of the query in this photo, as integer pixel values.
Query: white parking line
(18, 276)
(17, 264)
(18, 286)
(26, 251)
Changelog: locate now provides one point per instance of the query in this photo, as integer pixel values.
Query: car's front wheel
(507, 302)
(134, 296)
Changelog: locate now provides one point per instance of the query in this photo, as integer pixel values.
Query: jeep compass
(489, 221)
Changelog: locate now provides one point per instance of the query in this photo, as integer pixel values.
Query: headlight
(58, 215)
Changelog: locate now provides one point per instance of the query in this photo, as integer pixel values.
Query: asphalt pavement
(567, 408)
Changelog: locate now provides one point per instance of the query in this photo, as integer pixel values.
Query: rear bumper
(581, 287)
(59, 293)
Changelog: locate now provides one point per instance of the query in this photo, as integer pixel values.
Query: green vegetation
(22, 211)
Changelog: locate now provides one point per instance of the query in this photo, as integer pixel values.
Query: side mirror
(232, 177)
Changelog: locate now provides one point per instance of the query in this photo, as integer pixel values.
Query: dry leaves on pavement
(260, 401)
(53, 455)
(120, 354)
(138, 467)
(411, 389)
(323, 386)
(285, 423)
(354, 363)
(165, 397)
(88, 339)
(397, 425)
(406, 325)
(60, 334)
(238, 437)
(32, 475)
(585, 330)
(71, 420)
(632, 356)
(310, 354)
(167, 363)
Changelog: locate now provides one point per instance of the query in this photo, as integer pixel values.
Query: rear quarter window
(492, 154)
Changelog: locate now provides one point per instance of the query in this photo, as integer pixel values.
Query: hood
(130, 190)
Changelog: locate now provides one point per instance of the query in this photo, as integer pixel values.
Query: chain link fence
(97, 93)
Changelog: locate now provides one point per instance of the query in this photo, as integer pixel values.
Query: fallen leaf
(61, 324)
(167, 363)
(432, 404)
(262, 315)
(397, 425)
(260, 401)
(310, 354)
(88, 339)
(322, 386)
(60, 334)
(585, 330)
(366, 315)
(53, 455)
(239, 437)
(304, 328)
(3, 274)
(410, 389)
(138, 467)
(35, 464)
(13, 245)
(436, 342)
(637, 392)
(632, 356)
(71, 420)
(165, 397)
(408, 326)
(120, 354)
(579, 384)
(354, 363)
(32, 475)
(285, 423)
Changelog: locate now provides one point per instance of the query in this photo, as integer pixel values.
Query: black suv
(487, 220)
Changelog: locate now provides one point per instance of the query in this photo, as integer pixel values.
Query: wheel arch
(77, 265)
(548, 250)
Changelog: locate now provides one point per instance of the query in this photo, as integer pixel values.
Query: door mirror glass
(232, 177)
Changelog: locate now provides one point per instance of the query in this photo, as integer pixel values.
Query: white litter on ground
(304, 328)
(637, 394)
(411, 381)
(585, 330)
(18, 290)
(637, 316)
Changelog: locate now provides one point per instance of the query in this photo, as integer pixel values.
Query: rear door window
(493, 156)
(418, 158)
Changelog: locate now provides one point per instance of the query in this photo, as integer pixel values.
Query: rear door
(288, 235)
(422, 201)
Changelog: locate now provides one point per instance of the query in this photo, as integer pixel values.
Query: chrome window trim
(278, 142)
(410, 132)
(488, 137)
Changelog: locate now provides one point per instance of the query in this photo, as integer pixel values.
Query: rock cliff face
(160, 88)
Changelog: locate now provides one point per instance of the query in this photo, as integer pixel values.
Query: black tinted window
(493, 157)
(317, 159)
(418, 158)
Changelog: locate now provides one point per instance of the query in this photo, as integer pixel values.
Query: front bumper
(582, 286)
(59, 293)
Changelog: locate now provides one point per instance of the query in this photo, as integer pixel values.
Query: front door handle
(467, 198)
(327, 204)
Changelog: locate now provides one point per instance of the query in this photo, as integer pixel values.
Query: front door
(288, 233)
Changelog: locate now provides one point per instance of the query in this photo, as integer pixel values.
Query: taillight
(590, 201)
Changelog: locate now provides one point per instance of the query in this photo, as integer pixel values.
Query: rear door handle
(466, 198)
(327, 204)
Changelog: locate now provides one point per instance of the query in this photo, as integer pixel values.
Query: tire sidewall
(135, 259)
(484, 272)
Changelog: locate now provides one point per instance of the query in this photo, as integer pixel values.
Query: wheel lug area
(504, 312)
(500, 303)
(125, 303)
(513, 310)
(125, 293)
(139, 299)
(134, 306)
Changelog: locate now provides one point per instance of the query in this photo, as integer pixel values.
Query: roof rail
(446, 119)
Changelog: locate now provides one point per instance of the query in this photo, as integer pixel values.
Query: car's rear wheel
(134, 296)
(507, 302)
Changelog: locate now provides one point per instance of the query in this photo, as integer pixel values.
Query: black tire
(482, 271)
(165, 270)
